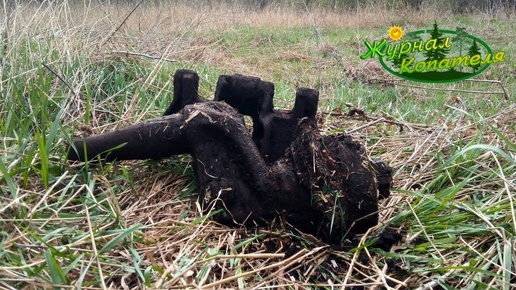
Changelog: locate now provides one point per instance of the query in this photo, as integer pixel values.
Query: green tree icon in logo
(398, 61)
(460, 38)
(474, 50)
(440, 51)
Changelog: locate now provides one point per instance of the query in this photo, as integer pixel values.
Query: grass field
(69, 71)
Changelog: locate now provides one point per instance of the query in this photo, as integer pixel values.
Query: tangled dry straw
(137, 225)
(192, 251)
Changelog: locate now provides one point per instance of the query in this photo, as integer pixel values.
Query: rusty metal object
(321, 185)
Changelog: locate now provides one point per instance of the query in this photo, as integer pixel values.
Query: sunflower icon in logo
(395, 33)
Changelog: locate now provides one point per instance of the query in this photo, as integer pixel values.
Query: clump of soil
(283, 171)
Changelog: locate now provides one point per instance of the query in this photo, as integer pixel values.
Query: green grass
(462, 213)
(88, 226)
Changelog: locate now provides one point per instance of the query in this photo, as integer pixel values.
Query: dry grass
(202, 254)
(132, 225)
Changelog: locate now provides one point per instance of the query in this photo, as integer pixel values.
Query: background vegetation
(455, 6)
(77, 68)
